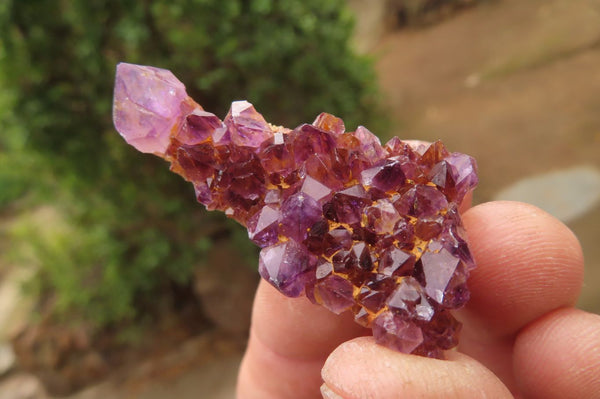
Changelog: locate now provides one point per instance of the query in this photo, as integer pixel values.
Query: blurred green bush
(135, 232)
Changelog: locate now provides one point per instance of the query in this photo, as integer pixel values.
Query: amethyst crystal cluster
(354, 225)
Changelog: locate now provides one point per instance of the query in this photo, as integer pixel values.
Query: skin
(522, 336)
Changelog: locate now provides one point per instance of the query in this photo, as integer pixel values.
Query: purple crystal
(298, 213)
(421, 201)
(406, 295)
(361, 256)
(273, 197)
(335, 293)
(409, 300)
(438, 268)
(356, 226)
(329, 123)
(455, 175)
(370, 144)
(442, 334)
(394, 332)
(287, 266)
(263, 226)
(347, 205)
(307, 141)
(404, 232)
(464, 173)
(324, 269)
(147, 106)
(371, 299)
(275, 155)
(203, 193)
(199, 127)
(336, 239)
(385, 177)
(396, 262)
(322, 168)
(314, 189)
(381, 217)
(246, 126)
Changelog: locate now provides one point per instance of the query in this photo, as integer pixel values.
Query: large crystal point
(356, 226)
(149, 104)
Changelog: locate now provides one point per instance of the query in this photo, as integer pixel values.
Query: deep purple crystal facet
(355, 225)
(397, 333)
(288, 266)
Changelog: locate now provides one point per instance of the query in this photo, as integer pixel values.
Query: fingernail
(327, 393)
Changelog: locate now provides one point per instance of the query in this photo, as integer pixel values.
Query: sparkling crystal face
(354, 225)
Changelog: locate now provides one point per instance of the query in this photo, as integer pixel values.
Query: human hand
(521, 336)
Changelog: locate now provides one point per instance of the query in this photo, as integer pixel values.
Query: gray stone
(7, 359)
(566, 194)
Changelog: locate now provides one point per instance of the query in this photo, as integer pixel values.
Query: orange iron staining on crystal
(353, 225)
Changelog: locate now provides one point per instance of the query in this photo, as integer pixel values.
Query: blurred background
(115, 283)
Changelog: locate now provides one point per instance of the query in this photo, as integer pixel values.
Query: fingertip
(361, 368)
(558, 356)
(329, 393)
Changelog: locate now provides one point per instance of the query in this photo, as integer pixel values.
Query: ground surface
(514, 83)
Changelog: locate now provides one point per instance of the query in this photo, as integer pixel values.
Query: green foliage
(134, 228)
(12, 167)
(12, 184)
(67, 256)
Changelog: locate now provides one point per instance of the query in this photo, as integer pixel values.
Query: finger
(558, 356)
(362, 369)
(289, 341)
(528, 264)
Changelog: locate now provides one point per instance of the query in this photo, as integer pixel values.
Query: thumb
(362, 369)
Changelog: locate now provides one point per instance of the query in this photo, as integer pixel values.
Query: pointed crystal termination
(149, 103)
(354, 225)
